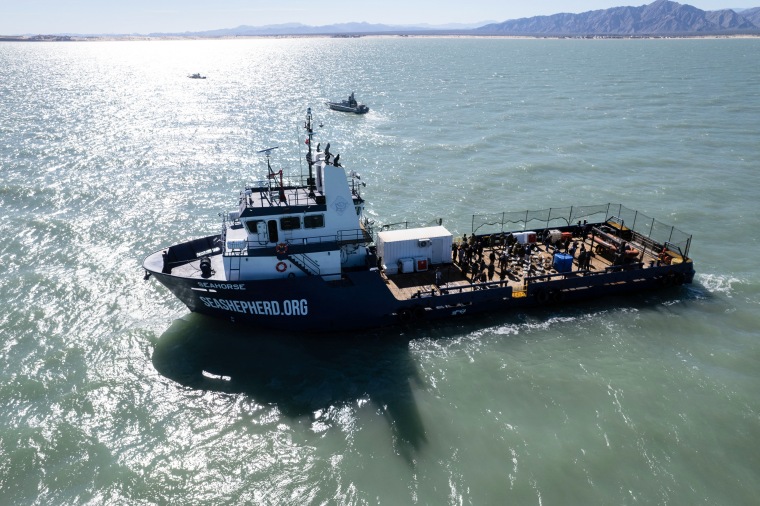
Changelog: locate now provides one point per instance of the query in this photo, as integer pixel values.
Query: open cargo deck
(611, 246)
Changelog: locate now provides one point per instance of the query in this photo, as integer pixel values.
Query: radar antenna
(272, 174)
(268, 152)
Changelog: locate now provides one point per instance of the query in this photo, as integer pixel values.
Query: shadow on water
(299, 374)
(303, 375)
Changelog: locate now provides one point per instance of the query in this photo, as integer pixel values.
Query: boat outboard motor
(206, 271)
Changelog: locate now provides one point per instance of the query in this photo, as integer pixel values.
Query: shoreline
(101, 38)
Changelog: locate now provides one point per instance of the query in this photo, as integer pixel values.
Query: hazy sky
(145, 16)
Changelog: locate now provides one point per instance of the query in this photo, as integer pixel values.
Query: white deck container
(433, 243)
(525, 237)
(554, 235)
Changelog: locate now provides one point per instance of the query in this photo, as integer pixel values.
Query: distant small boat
(350, 105)
(196, 76)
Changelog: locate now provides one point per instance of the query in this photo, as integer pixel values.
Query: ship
(298, 253)
(350, 105)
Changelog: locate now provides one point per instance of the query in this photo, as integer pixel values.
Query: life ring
(281, 248)
(281, 267)
(557, 296)
(542, 297)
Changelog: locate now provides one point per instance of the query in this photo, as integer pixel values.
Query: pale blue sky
(145, 16)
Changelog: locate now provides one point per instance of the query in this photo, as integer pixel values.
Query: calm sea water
(113, 394)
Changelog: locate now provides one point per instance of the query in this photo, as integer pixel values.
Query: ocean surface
(113, 394)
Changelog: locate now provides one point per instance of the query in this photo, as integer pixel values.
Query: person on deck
(503, 260)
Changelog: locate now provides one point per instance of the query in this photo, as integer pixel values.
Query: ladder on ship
(235, 268)
(305, 263)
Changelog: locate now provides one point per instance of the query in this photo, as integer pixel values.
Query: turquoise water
(113, 394)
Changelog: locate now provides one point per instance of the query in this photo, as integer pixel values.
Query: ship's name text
(293, 307)
(221, 286)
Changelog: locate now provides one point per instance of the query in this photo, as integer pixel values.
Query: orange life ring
(281, 248)
(281, 267)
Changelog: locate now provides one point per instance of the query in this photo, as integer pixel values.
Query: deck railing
(562, 217)
(353, 236)
(296, 189)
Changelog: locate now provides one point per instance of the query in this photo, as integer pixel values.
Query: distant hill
(752, 15)
(661, 17)
(335, 29)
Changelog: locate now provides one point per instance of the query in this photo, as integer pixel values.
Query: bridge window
(314, 221)
(290, 223)
(253, 226)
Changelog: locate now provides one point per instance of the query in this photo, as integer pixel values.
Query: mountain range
(660, 18)
(336, 29)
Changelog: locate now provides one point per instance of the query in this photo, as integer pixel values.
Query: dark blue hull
(363, 300)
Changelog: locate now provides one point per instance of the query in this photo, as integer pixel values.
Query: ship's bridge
(272, 213)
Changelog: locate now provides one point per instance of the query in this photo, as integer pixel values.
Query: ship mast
(273, 175)
(309, 158)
